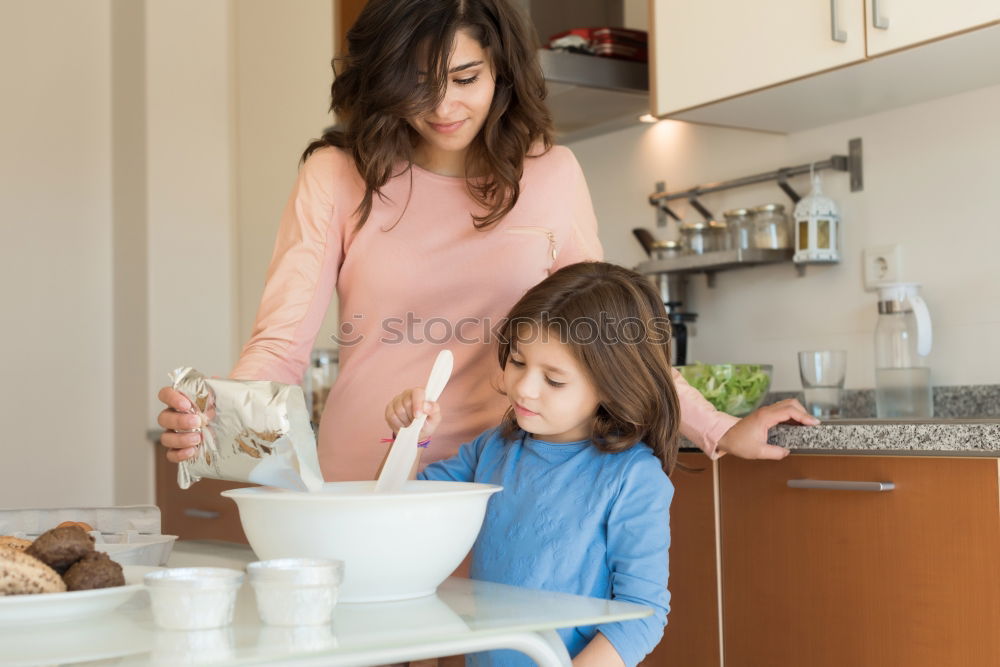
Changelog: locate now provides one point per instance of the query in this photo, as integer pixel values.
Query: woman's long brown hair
(377, 86)
(617, 328)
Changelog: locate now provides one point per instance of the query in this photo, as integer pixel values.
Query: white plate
(52, 607)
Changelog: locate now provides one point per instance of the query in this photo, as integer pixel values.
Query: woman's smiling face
(551, 392)
(447, 131)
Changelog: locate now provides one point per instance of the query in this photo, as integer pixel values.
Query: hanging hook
(697, 205)
(666, 209)
(783, 184)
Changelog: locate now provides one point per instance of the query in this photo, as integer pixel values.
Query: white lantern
(817, 227)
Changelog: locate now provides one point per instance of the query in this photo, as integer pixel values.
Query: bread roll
(21, 574)
(86, 526)
(15, 543)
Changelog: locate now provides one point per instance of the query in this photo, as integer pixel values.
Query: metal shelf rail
(850, 163)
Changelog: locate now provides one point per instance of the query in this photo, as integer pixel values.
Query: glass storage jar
(696, 237)
(740, 221)
(771, 227)
(666, 249)
(718, 232)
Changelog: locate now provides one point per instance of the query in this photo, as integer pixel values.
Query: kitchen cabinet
(197, 513)
(895, 24)
(786, 65)
(692, 634)
(712, 49)
(826, 577)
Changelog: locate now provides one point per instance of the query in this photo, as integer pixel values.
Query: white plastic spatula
(398, 464)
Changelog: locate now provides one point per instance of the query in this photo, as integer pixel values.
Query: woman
(432, 207)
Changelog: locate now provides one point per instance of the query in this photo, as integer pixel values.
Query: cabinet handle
(840, 486)
(836, 34)
(201, 514)
(879, 21)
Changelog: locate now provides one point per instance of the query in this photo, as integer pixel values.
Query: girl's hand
(747, 439)
(403, 409)
(178, 417)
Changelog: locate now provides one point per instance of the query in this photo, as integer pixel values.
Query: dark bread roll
(94, 570)
(61, 547)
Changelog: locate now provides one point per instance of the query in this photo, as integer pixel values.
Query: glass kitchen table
(464, 616)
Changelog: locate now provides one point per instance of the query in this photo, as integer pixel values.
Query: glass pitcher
(902, 343)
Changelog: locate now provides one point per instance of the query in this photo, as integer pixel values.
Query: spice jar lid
(717, 224)
(737, 213)
(767, 208)
(666, 245)
(694, 226)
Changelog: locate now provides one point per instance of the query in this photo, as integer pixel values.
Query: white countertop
(463, 616)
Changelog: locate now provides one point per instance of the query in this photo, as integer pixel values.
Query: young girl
(583, 453)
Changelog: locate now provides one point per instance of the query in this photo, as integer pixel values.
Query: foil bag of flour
(252, 431)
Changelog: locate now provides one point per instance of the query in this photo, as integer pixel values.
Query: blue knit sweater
(574, 519)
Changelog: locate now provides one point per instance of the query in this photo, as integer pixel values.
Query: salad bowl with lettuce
(736, 389)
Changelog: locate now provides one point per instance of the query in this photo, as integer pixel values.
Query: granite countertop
(875, 436)
(967, 422)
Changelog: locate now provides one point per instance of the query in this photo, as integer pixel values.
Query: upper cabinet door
(709, 50)
(895, 24)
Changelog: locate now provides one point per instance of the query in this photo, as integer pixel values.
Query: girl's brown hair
(379, 85)
(617, 328)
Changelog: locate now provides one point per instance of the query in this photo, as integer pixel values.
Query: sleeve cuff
(714, 435)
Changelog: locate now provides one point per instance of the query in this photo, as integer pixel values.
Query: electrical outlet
(882, 264)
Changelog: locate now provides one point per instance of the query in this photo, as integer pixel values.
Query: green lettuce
(735, 389)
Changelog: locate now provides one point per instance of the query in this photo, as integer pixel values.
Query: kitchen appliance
(902, 344)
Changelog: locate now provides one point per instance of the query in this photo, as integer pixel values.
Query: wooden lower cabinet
(197, 513)
(691, 638)
(847, 578)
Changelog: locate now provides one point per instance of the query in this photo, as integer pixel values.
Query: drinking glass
(822, 373)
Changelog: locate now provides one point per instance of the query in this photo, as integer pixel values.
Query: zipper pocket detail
(537, 231)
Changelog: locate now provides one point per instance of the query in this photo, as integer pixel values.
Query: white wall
(55, 254)
(144, 145)
(131, 461)
(236, 90)
(931, 175)
(191, 187)
(284, 76)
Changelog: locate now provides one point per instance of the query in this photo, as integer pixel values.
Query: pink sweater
(415, 278)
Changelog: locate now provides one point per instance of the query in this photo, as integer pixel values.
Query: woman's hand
(178, 417)
(405, 407)
(747, 439)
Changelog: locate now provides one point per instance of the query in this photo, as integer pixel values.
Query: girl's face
(447, 130)
(552, 394)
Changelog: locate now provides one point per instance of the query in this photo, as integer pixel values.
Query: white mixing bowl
(394, 545)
